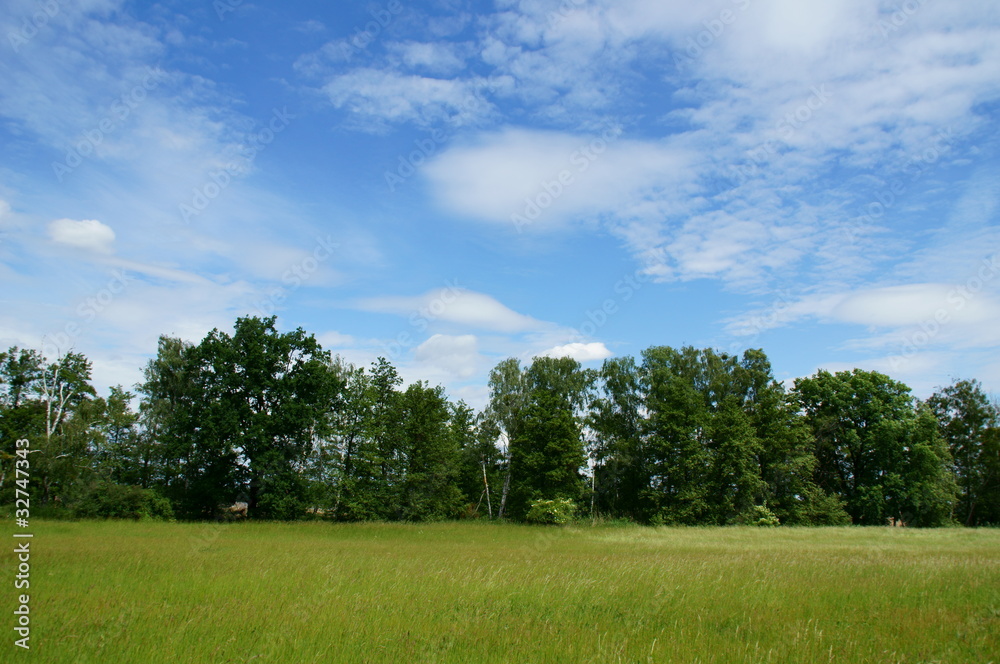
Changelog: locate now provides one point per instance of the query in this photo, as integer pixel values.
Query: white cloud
(334, 339)
(543, 177)
(86, 234)
(454, 305)
(377, 96)
(456, 356)
(738, 192)
(434, 57)
(717, 188)
(912, 304)
(581, 352)
(782, 309)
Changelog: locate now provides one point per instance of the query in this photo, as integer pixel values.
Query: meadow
(471, 592)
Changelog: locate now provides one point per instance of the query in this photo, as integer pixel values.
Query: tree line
(676, 436)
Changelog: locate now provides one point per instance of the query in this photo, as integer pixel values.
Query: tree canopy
(677, 436)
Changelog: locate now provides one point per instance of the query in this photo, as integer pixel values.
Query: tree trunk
(593, 490)
(503, 497)
(489, 507)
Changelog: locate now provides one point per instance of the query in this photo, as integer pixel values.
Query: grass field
(113, 592)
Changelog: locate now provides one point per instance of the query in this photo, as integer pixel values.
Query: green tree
(873, 449)
(718, 442)
(387, 451)
(930, 489)
(784, 448)
(618, 447)
(970, 425)
(734, 485)
(118, 455)
(239, 414)
(547, 454)
(430, 488)
(480, 464)
(353, 475)
(21, 413)
(179, 456)
(504, 415)
(66, 396)
(266, 395)
(677, 399)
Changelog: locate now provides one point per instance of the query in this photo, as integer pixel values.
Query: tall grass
(473, 592)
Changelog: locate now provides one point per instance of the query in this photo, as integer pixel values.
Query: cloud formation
(581, 352)
(88, 234)
(454, 305)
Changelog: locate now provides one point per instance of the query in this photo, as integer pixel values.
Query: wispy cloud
(454, 305)
(821, 171)
(774, 99)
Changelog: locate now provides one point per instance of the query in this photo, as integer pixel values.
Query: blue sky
(450, 183)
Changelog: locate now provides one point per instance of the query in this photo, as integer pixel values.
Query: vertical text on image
(22, 580)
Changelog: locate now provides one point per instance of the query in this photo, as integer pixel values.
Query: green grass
(472, 592)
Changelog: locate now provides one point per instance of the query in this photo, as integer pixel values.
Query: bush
(557, 512)
(822, 509)
(106, 500)
(760, 515)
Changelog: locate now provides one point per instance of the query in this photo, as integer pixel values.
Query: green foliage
(556, 512)
(547, 453)
(509, 393)
(106, 500)
(816, 507)
(618, 448)
(480, 471)
(759, 515)
(240, 412)
(687, 436)
(875, 449)
(717, 439)
(969, 424)
(430, 490)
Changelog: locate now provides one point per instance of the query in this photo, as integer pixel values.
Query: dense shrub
(104, 500)
(555, 512)
(760, 515)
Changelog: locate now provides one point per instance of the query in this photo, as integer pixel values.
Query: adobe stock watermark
(407, 164)
(31, 25)
(361, 39)
(223, 7)
(580, 160)
(295, 276)
(22, 514)
(594, 319)
(365, 36)
(87, 311)
(120, 109)
(203, 195)
(913, 169)
(900, 17)
(786, 129)
(697, 45)
(562, 12)
(956, 300)
(421, 318)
